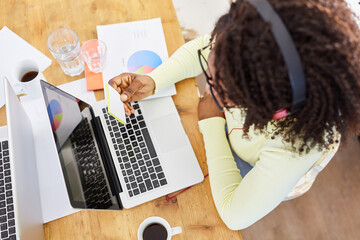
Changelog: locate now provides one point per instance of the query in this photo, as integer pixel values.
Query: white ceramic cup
(31, 87)
(151, 220)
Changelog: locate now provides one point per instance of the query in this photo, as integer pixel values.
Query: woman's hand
(208, 108)
(132, 87)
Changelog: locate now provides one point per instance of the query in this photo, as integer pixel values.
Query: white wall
(198, 17)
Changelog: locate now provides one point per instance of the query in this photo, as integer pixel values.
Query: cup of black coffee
(156, 228)
(27, 77)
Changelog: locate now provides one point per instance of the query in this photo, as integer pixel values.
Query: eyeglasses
(208, 76)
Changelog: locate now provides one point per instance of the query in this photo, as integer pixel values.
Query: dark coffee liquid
(29, 76)
(155, 232)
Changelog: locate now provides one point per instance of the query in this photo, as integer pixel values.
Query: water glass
(64, 45)
(93, 53)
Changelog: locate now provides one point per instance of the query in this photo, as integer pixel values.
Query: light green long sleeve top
(239, 201)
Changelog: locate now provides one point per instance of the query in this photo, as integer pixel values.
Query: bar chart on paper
(143, 62)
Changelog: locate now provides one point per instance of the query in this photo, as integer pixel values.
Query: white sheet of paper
(78, 89)
(125, 41)
(115, 105)
(14, 50)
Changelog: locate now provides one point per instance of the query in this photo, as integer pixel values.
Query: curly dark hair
(250, 70)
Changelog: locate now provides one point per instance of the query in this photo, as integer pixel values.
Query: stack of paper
(137, 47)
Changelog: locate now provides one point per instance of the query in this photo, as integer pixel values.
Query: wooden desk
(194, 209)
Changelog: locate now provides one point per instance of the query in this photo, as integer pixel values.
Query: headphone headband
(288, 52)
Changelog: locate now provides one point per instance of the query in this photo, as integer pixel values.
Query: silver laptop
(109, 165)
(20, 206)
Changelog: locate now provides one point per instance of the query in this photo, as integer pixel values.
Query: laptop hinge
(107, 159)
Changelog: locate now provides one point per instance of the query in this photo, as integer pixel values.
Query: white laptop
(20, 206)
(109, 165)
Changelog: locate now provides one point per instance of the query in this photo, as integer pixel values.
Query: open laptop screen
(79, 157)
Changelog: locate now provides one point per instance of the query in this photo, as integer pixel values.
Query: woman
(249, 79)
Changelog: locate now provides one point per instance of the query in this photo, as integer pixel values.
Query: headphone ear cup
(280, 114)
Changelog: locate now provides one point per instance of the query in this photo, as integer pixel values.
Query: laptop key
(134, 185)
(4, 234)
(11, 222)
(131, 193)
(2, 196)
(5, 145)
(148, 184)
(135, 166)
(136, 191)
(11, 215)
(158, 169)
(155, 161)
(141, 162)
(153, 176)
(142, 124)
(2, 211)
(145, 175)
(133, 160)
(131, 178)
(143, 169)
(149, 143)
(137, 173)
(151, 169)
(7, 180)
(9, 200)
(163, 182)
(3, 226)
(128, 186)
(142, 187)
(156, 183)
(12, 230)
(161, 175)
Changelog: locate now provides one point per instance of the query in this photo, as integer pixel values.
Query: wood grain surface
(193, 210)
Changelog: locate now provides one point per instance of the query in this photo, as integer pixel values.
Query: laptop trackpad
(169, 133)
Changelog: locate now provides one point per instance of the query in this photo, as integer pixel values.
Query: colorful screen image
(143, 62)
(55, 114)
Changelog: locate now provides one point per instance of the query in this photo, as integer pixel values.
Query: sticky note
(115, 105)
(94, 81)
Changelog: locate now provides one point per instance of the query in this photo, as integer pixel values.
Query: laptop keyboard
(7, 215)
(93, 180)
(136, 154)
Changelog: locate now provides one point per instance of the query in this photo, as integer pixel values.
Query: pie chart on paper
(55, 113)
(143, 62)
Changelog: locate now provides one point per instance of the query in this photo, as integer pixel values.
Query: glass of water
(93, 53)
(64, 45)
